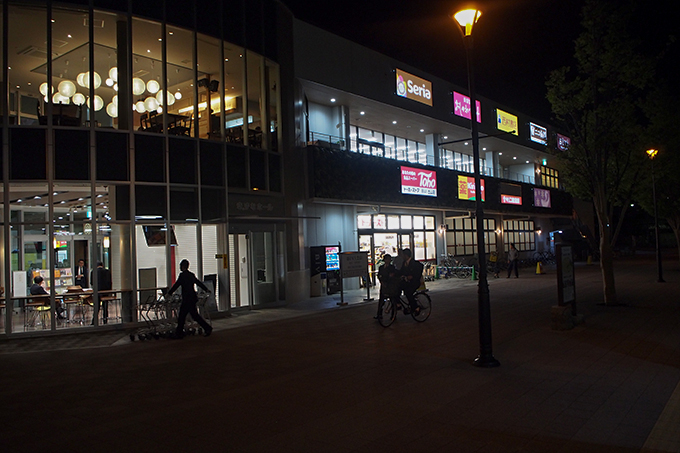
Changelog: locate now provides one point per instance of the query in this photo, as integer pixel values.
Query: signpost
(353, 264)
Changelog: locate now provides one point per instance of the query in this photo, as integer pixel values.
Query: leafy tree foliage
(599, 103)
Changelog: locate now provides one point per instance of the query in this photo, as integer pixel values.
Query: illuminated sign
(563, 142)
(511, 194)
(462, 107)
(538, 134)
(466, 188)
(541, 198)
(506, 122)
(412, 87)
(416, 181)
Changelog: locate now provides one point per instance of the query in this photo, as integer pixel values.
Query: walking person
(513, 261)
(186, 280)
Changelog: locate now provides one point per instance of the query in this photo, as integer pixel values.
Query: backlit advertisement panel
(416, 181)
(563, 142)
(541, 198)
(462, 107)
(506, 122)
(412, 87)
(538, 134)
(466, 188)
(511, 194)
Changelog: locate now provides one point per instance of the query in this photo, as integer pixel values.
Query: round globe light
(67, 88)
(115, 87)
(140, 107)
(178, 95)
(81, 79)
(153, 86)
(159, 97)
(78, 99)
(112, 110)
(159, 109)
(97, 82)
(113, 74)
(98, 103)
(44, 89)
(171, 99)
(151, 104)
(138, 86)
(114, 100)
(109, 82)
(58, 98)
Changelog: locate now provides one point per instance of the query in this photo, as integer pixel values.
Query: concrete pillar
(493, 164)
(432, 149)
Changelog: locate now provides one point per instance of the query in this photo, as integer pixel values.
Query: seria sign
(412, 87)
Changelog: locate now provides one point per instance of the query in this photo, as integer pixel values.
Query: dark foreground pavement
(335, 381)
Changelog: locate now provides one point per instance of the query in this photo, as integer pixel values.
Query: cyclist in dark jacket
(411, 273)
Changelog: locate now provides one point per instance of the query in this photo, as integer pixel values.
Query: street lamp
(652, 154)
(467, 19)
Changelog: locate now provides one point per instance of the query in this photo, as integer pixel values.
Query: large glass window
(209, 88)
(521, 233)
(233, 93)
(255, 70)
(461, 236)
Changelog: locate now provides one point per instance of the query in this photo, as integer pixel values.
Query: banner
(538, 134)
(466, 188)
(416, 181)
(462, 107)
(541, 198)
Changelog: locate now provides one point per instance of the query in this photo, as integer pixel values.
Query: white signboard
(353, 264)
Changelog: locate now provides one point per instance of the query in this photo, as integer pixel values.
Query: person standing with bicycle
(411, 273)
(513, 261)
(389, 281)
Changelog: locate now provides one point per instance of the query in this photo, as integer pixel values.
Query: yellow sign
(412, 87)
(506, 122)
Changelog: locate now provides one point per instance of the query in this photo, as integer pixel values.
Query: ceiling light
(394, 122)
(527, 162)
(332, 99)
(500, 154)
(362, 113)
(514, 158)
(422, 130)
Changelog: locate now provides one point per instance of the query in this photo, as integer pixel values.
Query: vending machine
(325, 269)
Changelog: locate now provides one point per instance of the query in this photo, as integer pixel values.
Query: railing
(380, 150)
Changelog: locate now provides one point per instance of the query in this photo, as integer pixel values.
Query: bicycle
(387, 309)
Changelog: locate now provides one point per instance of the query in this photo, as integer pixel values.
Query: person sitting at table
(104, 284)
(38, 290)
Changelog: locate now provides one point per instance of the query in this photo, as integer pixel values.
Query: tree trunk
(607, 267)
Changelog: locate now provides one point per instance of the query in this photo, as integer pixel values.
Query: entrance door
(252, 273)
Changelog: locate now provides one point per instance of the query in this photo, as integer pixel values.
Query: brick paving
(309, 380)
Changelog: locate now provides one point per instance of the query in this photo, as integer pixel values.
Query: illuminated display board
(462, 107)
(538, 134)
(541, 198)
(416, 181)
(563, 142)
(412, 87)
(466, 188)
(511, 194)
(506, 122)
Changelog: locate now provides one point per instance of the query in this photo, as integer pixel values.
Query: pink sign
(563, 142)
(416, 181)
(462, 107)
(511, 199)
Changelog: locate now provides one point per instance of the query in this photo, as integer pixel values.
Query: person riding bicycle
(411, 273)
(389, 281)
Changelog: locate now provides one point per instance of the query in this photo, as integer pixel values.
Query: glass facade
(120, 130)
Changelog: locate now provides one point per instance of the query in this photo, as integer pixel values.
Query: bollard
(590, 259)
(474, 274)
(539, 268)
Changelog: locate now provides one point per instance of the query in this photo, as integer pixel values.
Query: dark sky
(517, 42)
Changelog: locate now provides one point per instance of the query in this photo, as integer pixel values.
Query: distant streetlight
(467, 19)
(652, 154)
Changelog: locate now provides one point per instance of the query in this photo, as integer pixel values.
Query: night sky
(517, 43)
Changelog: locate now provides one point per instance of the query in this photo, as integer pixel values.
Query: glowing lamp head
(467, 19)
(652, 153)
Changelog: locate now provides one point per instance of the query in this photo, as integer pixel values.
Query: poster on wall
(466, 188)
(541, 198)
(511, 194)
(416, 181)
(462, 107)
(506, 122)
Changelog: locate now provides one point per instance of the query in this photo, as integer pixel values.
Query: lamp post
(467, 19)
(652, 154)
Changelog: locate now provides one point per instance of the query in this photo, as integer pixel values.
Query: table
(177, 124)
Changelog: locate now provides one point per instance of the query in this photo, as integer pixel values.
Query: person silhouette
(186, 280)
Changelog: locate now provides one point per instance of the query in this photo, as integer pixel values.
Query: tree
(599, 103)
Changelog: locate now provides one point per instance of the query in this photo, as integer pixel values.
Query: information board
(353, 264)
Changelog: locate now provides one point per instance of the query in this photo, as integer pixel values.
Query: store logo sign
(563, 142)
(506, 122)
(541, 198)
(511, 194)
(412, 87)
(416, 181)
(462, 107)
(511, 199)
(466, 188)
(538, 134)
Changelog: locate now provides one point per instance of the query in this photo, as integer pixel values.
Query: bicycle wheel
(387, 313)
(425, 304)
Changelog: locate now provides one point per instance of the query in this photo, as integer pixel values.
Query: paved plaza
(315, 377)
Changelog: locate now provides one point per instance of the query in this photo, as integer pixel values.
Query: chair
(181, 126)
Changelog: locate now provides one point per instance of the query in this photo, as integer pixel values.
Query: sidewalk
(333, 380)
